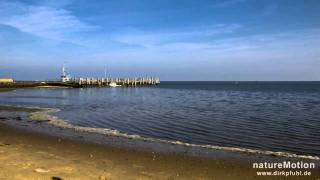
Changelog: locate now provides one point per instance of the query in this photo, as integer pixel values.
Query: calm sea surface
(277, 116)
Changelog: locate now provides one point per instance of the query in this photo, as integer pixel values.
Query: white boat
(114, 85)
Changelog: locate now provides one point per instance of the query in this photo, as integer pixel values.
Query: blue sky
(173, 39)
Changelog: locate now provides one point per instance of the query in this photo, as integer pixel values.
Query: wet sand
(6, 89)
(29, 154)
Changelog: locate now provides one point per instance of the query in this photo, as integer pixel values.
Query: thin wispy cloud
(42, 21)
(209, 41)
(285, 48)
(154, 39)
(228, 3)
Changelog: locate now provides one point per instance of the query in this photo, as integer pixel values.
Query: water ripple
(262, 116)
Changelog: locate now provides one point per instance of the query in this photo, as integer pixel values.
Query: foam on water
(44, 115)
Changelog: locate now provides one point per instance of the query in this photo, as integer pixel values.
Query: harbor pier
(99, 82)
(86, 82)
(68, 81)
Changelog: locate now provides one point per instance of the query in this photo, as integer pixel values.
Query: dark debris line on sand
(6, 89)
(4, 144)
(3, 118)
(17, 109)
(56, 178)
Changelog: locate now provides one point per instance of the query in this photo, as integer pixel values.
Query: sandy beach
(28, 153)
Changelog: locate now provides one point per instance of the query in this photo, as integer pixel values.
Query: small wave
(44, 114)
(36, 97)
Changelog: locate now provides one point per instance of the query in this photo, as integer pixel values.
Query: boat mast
(63, 71)
(105, 72)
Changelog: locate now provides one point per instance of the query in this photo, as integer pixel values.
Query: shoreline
(161, 161)
(32, 155)
(6, 89)
(55, 125)
(43, 157)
